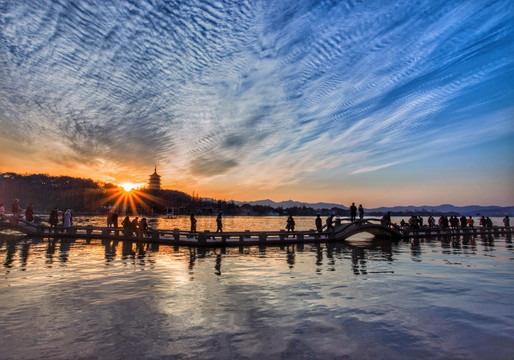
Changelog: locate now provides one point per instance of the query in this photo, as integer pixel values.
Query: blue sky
(381, 103)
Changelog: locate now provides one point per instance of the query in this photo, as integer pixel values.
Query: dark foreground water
(365, 299)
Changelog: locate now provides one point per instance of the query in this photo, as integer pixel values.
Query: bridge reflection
(358, 251)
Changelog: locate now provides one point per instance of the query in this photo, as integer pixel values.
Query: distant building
(154, 181)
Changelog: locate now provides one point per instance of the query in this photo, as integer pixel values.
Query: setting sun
(128, 186)
(129, 198)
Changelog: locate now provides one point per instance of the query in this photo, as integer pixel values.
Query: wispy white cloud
(373, 168)
(254, 93)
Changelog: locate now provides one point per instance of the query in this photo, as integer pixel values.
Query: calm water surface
(365, 298)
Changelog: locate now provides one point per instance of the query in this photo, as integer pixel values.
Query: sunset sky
(378, 102)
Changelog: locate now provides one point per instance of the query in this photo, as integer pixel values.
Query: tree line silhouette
(92, 197)
(87, 196)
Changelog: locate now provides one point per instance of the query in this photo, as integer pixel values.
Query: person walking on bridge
(219, 222)
(115, 219)
(361, 212)
(16, 210)
(353, 212)
(126, 223)
(192, 219)
(54, 218)
(67, 219)
(29, 213)
(319, 223)
(143, 227)
(109, 218)
(290, 223)
(134, 226)
(330, 223)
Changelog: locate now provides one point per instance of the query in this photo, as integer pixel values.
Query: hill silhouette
(89, 196)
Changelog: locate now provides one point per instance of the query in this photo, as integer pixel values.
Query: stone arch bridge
(376, 227)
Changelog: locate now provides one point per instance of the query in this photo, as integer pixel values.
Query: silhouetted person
(67, 219)
(361, 212)
(471, 222)
(54, 218)
(290, 223)
(134, 226)
(353, 212)
(109, 218)
(192, 220)
(115, 219)
(16, 210)
(463, 221)
(29, 213)
(319, 223)
(483, 222)
(143, 226)
(506, 221)
(330, 223)
(219, 222)
(126, 226)
(453, 222)
(413, 222)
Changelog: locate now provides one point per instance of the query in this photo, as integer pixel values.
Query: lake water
(362, 299)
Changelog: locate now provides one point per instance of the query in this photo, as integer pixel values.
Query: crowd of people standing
(18, 213)
(453, 222)
(64, 220)
(135, 226)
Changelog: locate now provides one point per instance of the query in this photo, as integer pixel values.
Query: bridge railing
(176, 235)
(203, 237)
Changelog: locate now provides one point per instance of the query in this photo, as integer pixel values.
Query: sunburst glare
(128, 186)
(127, 198)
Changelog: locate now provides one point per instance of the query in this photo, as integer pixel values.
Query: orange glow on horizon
(129, 199)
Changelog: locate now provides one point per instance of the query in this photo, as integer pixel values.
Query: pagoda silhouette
(154, 181)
